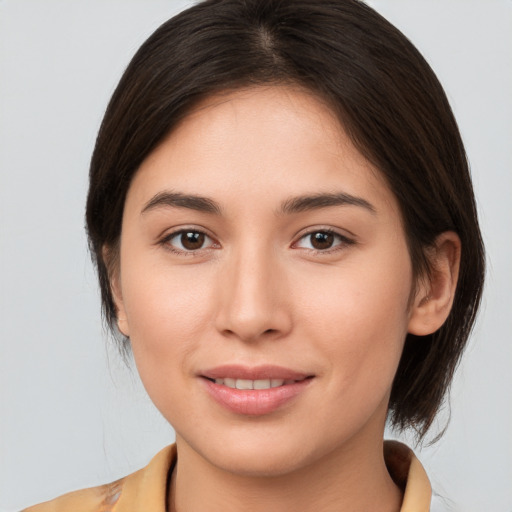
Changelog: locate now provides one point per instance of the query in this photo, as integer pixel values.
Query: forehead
(259, 142)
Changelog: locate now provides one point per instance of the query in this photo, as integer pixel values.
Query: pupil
(192, 240)
(322, 240)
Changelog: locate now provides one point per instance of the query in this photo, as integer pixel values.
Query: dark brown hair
(388, 100)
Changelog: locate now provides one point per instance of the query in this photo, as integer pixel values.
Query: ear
(111, 258)
(434, 297)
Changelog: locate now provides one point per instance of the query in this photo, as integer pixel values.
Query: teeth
(252, 384)
(230, 383)
(261, 384)
(244, 384)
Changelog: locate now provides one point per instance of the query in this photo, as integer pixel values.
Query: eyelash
(343, 242)
(165, 242)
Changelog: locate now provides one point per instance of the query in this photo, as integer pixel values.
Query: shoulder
(148, 485)
(94, 499)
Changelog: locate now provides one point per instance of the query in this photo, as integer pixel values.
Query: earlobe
(435, 294)
(111, 259)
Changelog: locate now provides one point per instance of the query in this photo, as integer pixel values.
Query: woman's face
(260, 249)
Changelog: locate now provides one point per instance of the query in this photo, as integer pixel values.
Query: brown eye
(192, 240)
(188, 241)
(321, 240)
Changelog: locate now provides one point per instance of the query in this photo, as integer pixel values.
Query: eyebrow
(324, 200)
(179, 200)
(292, 205)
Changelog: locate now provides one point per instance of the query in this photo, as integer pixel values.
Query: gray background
(71, 414)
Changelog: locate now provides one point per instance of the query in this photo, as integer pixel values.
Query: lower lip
(255, 402)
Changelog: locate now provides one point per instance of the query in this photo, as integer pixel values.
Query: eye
(188, 240)
(322, 240)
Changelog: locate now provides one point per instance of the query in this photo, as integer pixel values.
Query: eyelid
(343, 239)
(165, 239)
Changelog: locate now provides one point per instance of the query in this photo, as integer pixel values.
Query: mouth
(254, 391)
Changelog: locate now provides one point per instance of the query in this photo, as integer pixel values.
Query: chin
(260, 463)
(266, 454)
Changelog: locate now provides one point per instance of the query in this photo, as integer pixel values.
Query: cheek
(168, 313)
(167, 309)
(359, 317)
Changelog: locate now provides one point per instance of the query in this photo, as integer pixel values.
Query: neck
(356, 478)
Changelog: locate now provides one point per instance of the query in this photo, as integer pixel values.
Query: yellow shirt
(146, 489)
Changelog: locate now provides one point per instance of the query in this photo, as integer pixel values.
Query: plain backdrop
(71, 414)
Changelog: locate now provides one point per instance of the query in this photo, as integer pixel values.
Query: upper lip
(235, 371)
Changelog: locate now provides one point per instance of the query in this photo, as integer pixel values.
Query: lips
(254, 390)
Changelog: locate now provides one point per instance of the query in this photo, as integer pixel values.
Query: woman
(284, 227)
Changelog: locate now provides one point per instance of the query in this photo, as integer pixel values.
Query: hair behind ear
(440, 323)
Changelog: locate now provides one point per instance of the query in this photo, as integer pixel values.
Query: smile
(254, 391)
(253, 384)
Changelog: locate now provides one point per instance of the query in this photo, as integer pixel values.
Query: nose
(253, 300)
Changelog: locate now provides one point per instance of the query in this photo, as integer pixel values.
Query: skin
(258, 292)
